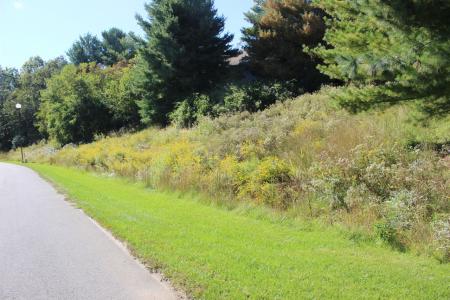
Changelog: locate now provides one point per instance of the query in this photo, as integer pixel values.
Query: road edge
(123, 245)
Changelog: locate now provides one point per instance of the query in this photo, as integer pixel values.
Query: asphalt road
(51, 250)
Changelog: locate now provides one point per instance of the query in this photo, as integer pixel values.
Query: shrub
(254, 96)
(189, 111)
(266, 182)
(386, 232)
(246, 96)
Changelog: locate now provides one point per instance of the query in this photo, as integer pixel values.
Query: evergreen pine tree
(187, 52)
(389, 52)
(119, 46)
(86, 49)
(280, 30)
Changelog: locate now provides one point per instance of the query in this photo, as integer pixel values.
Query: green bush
(189, 111)
(387, 233)
(248, 96)
(254, 96)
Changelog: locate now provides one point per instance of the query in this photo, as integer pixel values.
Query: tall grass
(305, 157)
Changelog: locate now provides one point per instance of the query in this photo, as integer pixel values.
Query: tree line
(185, 67)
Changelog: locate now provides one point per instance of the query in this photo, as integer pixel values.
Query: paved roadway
(51, 250)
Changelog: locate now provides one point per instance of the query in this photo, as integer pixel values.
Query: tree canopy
(24, 88)
(72, 107)
(389, 52)
(9, 80)
(86, 100)
(88, 48)
(280, 30)
(187, 52)
(114, 47)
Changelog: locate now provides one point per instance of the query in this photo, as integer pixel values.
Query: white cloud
(18, 4)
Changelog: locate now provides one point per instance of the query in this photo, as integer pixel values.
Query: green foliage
(189, 111)
(87, 100)
(121, 94)
(186, 53)
(73, 110)
(87, 49)
(387, 233)
(275, 41)
(25, 88)
(119, 46)
(253, 96)
(114, 47)
(236, 97)
(9, 81)
(406, 59)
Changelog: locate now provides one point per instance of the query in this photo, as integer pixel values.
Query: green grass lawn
(214, 253)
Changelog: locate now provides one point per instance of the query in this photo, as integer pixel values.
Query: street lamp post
(19, 107)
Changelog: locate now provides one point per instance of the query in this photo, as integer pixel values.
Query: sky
(49, 27)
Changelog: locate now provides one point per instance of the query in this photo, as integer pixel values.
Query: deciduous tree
(73, 108)
(89, 99)
(9, 81)
(25, 88)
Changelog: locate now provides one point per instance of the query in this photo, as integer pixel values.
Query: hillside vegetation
(305, 157)
(319, 149)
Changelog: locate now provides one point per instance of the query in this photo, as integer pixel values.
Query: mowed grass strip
(213, 253)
